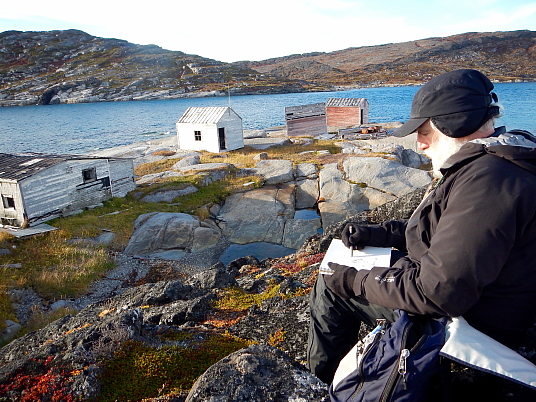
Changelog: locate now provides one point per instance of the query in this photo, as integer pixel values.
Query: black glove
(356, 236)
(342, 280)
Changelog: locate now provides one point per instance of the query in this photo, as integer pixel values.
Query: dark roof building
(36, 187)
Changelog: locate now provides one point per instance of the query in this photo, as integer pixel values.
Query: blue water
(81, 128)
(261, 250)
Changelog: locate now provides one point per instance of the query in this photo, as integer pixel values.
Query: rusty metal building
(344, 112)
(37, 187)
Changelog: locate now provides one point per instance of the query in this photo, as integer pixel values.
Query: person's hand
(356, 236)
(342, 280)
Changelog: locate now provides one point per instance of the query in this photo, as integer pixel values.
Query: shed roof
(296, 112)
(18, 166)
(344, 102)
(204, 115)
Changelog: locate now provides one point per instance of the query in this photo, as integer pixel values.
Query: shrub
(164, 153)
(139, 371)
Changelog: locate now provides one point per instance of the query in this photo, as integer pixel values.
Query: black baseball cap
(457, 102)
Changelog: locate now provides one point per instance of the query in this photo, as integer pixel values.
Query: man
(471, 244)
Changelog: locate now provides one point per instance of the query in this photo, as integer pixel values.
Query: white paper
(362, 259)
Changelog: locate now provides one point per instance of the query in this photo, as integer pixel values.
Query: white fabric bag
(472, 348)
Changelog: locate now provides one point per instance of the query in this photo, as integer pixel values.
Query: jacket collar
(518, 146)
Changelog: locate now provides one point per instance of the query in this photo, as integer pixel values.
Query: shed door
(221, 135)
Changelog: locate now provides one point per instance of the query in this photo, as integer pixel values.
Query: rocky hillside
(503, 56)
(72, 66)
(156, 340)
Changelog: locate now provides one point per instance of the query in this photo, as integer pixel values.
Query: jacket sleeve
(471, 242)
(389, 234)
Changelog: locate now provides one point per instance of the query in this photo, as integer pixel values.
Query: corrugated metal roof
(296, 112)
(16, 167)
(203, 115)
(341, 102)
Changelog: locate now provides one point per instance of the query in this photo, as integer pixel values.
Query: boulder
(264, 143)
(187, 161)
(154, 177)
(385, 175)
(298, 230)
(258, 215)
(165, 231)
(104, 238)
(205, 237)
(206, 167)
(412, 159)
(216, 277)
(343, 199)
(306, 170)
(275, 171)
(261, 157)
(168, 195)
(11, 330)
(307, 193)
(258, 373)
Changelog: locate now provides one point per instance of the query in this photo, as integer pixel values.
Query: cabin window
(89, 175)
(197, 135)
(9, 202)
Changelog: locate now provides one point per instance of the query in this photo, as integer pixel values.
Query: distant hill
(503, 56)
(73, 66)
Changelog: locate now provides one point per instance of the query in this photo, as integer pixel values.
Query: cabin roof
(204, 115)
(345, 102)
(18, 166)
(296, 112)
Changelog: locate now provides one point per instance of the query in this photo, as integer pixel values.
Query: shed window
(9, 202)
(197, 135)
(89, 175)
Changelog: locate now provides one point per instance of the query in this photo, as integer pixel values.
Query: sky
(236, 30)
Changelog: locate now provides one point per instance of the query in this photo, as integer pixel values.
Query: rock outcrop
(159, 234)
(258, 373)
(69, 354)
(71, 66)
(57, 67)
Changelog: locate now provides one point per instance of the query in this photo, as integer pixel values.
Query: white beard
(442, 149)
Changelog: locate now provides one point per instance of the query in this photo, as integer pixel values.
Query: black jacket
(471, 244)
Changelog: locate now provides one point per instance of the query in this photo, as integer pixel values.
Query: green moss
(237, 299)
(138, 371)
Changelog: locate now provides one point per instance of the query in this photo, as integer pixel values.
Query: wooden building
(344, 112)
(213, 129)
(306, 120)
(38, 187)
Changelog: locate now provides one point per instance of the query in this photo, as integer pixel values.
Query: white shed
(38, 187)
(213, 129)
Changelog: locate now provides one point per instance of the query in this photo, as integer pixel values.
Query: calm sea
(82, 128)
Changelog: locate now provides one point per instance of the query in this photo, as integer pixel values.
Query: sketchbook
(362, 259)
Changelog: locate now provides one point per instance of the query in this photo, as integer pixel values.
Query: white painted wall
(60, 190)
(234, 137)
(14, 216)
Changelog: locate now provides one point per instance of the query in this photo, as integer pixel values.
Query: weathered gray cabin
(212, 129)
(38, 187)
(344, 112)
(306, 120)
